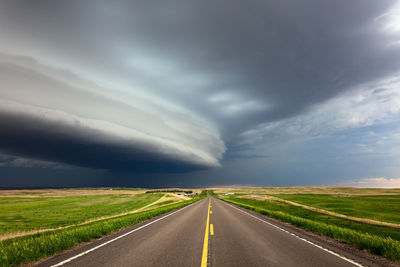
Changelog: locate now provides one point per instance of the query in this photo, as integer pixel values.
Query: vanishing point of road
(209, 232)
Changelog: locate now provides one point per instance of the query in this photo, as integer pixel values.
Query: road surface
(209, 232)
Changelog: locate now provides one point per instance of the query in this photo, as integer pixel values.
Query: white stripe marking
(112, 240)
(305, 240)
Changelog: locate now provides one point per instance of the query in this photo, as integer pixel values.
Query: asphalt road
(192, 236)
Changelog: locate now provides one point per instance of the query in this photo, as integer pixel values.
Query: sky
(199, 93)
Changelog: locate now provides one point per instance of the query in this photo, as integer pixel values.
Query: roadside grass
(26, 249)
(384, 208)
(20, 214)
(164, 203)
(203, 194)
(376, 239)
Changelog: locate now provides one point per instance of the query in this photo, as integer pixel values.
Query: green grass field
(30, 213)
(29, 248)
(385, 208)
(380, 240)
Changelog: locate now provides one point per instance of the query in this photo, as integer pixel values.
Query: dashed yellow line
(211, 229)
(205, 245)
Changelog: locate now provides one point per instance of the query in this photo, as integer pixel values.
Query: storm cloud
(48, 119)
(172, 86)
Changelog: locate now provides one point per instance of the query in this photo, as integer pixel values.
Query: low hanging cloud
(45, 119)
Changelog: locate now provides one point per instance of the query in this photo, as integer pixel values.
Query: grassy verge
(376, 239)
(384, 208)
(22, 250)
(20, 214)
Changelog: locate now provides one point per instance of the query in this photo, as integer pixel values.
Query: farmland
(384, 208)
(40, 223)
(374, 204)
(27, 214)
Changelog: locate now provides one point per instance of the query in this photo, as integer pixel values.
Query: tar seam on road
(303, 239)
(205, 246)
(118, 237)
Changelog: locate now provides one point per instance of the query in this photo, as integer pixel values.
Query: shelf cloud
(44, 118)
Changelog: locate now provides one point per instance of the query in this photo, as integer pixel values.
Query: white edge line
(118, 237)
(303, 239)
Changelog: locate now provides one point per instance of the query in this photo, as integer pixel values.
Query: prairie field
(383, 208)
(367, 218)
(39, 223)
(31, 213)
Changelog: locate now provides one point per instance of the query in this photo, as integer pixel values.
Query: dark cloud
(49, 114)
(230, 68)
(28, 137)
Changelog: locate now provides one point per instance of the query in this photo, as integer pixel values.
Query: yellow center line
(205, 246)
(211, 229)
